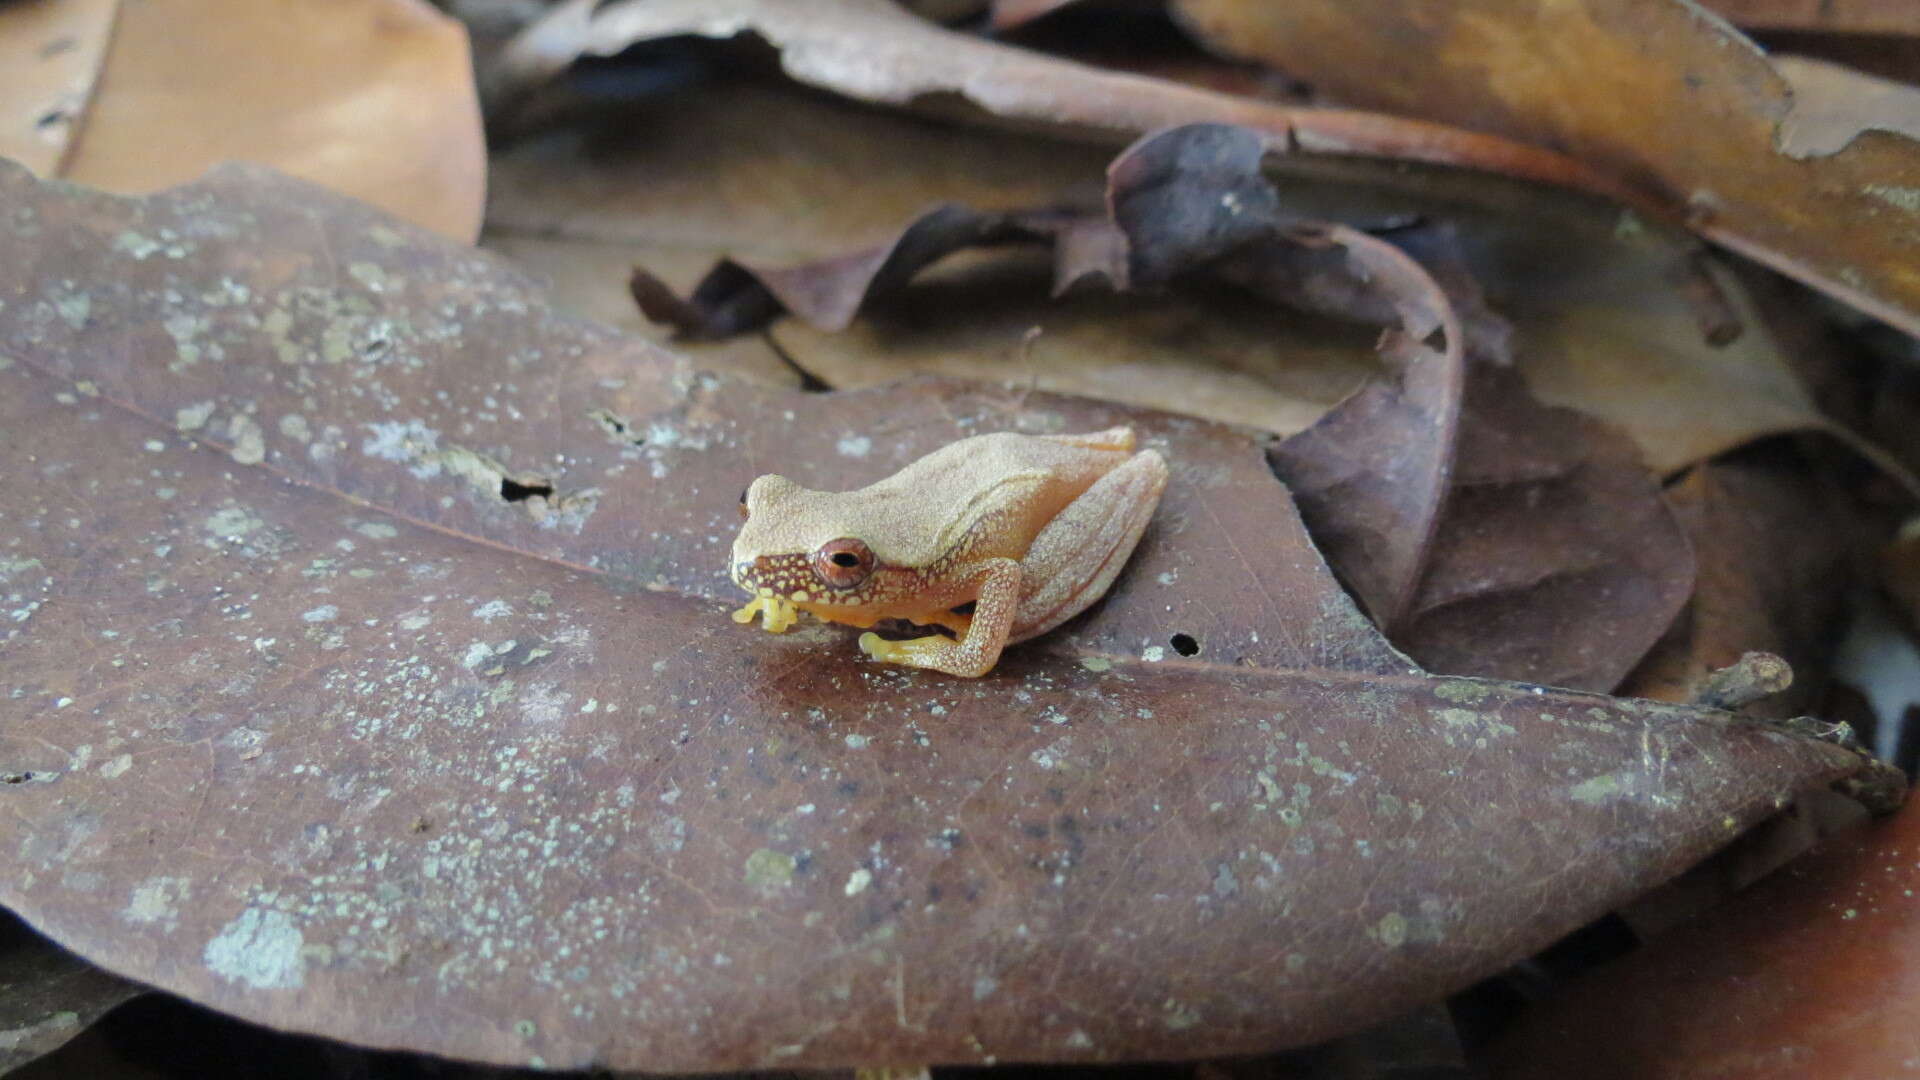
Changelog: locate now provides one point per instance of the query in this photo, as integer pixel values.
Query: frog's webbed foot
(986, 633)
(779, 613)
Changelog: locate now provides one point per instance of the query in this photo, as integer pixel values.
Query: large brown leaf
(1808, 975)
(1656, 90)
(365, 652)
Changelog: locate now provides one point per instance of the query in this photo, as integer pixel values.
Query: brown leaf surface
(372, 98)
(1809, 974)
(1654, 90)
(48, 995)
(367, 626)
(1773, 555)
(1554, 560)
(50, 52)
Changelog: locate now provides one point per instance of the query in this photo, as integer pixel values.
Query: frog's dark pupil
(845, 558)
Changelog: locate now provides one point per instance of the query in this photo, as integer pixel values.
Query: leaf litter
(382, 605)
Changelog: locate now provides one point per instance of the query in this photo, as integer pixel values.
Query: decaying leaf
(1554, 560)
(1600, 301)
(877, 51)
(48, 995)
(1810, 973)
(1773, 555)
(50, 54)
(1656, 90)
(372, 98)
(365, 631)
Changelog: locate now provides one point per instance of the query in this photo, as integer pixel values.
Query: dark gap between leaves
(1184, 644)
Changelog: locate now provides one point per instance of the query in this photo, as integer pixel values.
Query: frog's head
(794, 549)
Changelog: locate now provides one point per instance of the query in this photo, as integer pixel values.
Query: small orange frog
(1031, 529)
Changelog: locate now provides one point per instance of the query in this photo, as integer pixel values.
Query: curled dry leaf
(48, 995)
(372, 98)
(1845, 16)
(1809, 973)
(369, 621)
(1655, 90)
(875, 50)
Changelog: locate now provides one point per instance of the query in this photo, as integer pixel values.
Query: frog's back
(924, 510)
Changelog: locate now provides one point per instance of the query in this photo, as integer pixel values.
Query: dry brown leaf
(370, 624)
(877, 51)
(1808, 974)
(1654, 90)
(1773, 551)
(50, 53)
(372, 98)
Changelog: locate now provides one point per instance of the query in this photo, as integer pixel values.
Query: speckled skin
(1032, 529)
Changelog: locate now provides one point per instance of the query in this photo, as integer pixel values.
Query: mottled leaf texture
(1809, 974)
(367, 651)
(48, 995)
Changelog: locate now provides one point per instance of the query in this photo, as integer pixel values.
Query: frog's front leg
(986, 634)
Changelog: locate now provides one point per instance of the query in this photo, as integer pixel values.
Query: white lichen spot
(769, 871)
(294, 426)
(854, 446)
(1153, 654)
(984, 986)
(416, 622)
(1079, 1040)
(114, 767)
(402, 441)
(323, 613)
(858, 881)
(492, 609)
(193, 417)
(249, 442)
(668, 835)
(1600, 788)
(261, 948)
(1391, 930)
(154, 446)
(156, 900)
(376, 530)
(1096, 664)
(477, 653)
(856, 742)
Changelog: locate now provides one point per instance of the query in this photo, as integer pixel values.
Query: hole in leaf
(1184, 644)
(514, 491)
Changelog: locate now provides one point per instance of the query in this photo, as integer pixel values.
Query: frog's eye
(743, 501)
(843, 563)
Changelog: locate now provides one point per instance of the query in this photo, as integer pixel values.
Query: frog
(1030, 530)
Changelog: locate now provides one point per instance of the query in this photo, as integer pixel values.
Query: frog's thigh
(975, 653)
(1079, 553)
(1119, 438)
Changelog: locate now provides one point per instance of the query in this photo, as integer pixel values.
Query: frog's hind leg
(986, 632)
(1076, 557)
